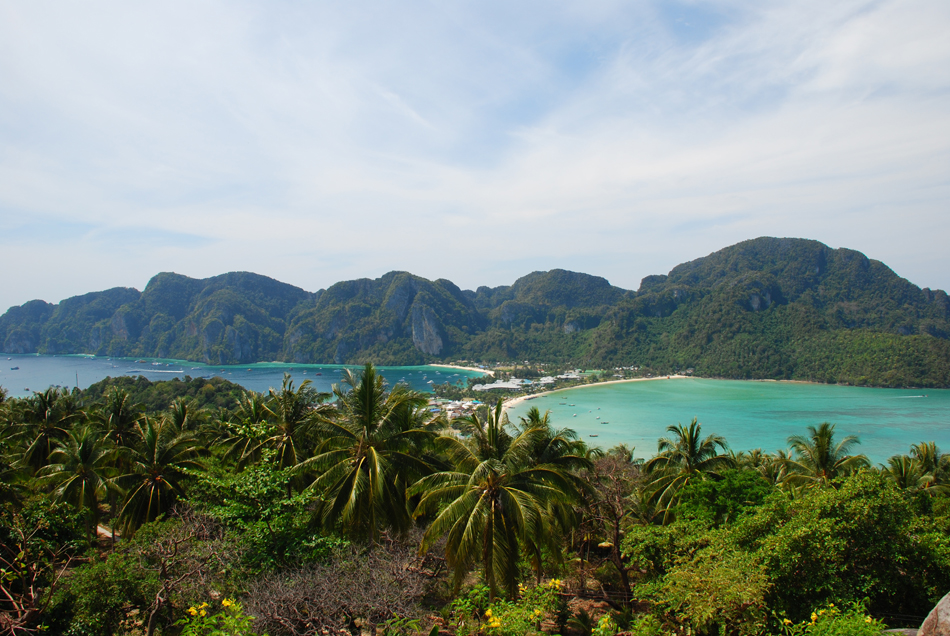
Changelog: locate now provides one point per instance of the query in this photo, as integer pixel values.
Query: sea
(21, 375)
(748, 414)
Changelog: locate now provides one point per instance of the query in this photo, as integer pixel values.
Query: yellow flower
(831, 604)
(227, 602)
(867, 619)
(202, 606)
(787, 621)
(814, 617)
(192, 611)
(203, 613)
(488, 612)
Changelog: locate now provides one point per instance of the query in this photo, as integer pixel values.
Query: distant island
(767, 308)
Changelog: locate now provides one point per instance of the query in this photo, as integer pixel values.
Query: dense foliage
(765, 308)
(302, 513)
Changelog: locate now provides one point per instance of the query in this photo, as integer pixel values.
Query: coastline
(524, 398)
(455, 366)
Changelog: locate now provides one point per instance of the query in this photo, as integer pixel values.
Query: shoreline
(524, 398)
(514, 401)
(455, 366)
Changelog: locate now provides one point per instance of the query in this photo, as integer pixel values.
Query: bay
(39, 372)
(748, 414)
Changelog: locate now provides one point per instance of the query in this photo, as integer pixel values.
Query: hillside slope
(764, 308)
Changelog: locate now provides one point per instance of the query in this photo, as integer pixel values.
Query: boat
(14, 368)
(318, 374)
(593, 435)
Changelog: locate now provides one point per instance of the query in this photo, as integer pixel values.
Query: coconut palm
(117, 416)
(774, 468)
(932, 462)
(560, 448)
(907, 472)
(372, 450)
(495, 504)
(555, 446)
(819, 460)
(186, 415)
(243, 435)
(293, 413)
(157, 464)
(11, 474)
(47, 415)
(682, 459)
(79, 470)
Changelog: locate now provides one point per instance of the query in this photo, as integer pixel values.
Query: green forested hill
(764, 308)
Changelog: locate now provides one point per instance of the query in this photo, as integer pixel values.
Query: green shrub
(508, 617)
(831, 621)
(102, 596)
(229, 621)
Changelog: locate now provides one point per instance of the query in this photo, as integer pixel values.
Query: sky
(477, 141)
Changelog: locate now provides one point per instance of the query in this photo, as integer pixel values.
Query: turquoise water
(749, 414)
(37, 373)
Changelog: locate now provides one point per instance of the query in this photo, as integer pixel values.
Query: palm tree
(243, 435)
(117, 416)
(11, 474)
(186, 414)
(79, 472)
(157, 469)
(932, 462)
(495, 503)
(293, 413)
(560, 448)
(819, 460)
(681, 459)
(371, 452)
(48, 414)
(907, 472)
(774, 468)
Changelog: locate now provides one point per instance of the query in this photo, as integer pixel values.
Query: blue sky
(475, 141)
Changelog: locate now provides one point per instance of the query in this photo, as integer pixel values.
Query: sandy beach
(453, 366)
(523, 398)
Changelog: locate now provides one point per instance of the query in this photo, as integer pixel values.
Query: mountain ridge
(780, 308)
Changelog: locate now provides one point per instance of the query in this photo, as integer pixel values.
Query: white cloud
(476, 141)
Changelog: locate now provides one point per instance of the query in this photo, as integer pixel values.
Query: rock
(426, 330)
(937, 622)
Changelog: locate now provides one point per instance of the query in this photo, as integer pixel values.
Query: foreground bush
(860, 539)
(354, 589)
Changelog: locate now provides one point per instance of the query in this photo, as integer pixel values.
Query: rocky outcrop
(937, 622)
(426, 330)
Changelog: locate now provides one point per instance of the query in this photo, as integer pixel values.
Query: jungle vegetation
(337, 513)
